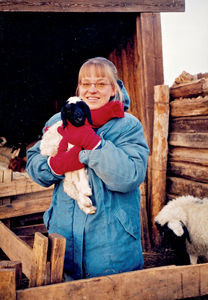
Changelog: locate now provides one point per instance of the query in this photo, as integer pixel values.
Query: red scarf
(110, 110)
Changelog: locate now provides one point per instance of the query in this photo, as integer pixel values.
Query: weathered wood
(181, 187)
(192, 155)
(146, 244)
(38, 273)
(150, 45)
(24, 207)
(93, 6)
(7, 176)
(156, 283)
(190, 89)
(29, 229)
(15, 248)
(189, 171)
(189, 107)
(7, 284)
(189, 124)
(16, 187)
(159, 154)
(17, 265)
(191, 140)
(57, 245)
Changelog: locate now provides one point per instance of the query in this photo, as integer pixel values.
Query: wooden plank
(191, 155)
(181, 187)
(191, 140)
(152, 69)
(7, 284)
(29, 229)
(15, 248)
(24, 207)
(190, 89)
(156, 283)
(189, 107)
(189, 124)
(38, 275)
(17, 265)
(159, 155)
(94, 6)
(189, 171)
(7, 176)
(57, 252)
(17, 187)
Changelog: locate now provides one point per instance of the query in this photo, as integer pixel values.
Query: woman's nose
(93, 88)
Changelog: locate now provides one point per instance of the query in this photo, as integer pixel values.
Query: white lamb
(75, 183)
(188, 215)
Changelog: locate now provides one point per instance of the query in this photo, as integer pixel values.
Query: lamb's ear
(64, 116)
(177, 227)
(85, 108)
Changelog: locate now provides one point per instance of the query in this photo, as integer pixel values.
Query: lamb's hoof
(90, 210)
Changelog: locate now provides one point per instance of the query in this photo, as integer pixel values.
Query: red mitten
(83, 136)
(113, 109)
(66, 161)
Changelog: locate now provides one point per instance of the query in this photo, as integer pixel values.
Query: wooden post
(39, 266)
(146, 245)
(7, 284)
(57, 244)
(159, 154)
(17, 265)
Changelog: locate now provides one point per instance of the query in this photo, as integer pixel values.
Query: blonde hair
(103, 68)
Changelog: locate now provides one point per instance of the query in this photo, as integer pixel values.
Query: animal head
(76, 112)
(171, 220)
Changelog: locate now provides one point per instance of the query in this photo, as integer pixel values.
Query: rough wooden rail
(35, 264)
(172, 282)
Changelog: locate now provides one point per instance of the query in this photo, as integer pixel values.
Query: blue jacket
(109, 241)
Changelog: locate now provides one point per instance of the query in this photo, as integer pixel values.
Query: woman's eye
(100, 85)
(86, 85)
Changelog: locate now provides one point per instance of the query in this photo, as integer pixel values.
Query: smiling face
(96, 86)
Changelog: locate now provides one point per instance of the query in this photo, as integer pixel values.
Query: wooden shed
(43, 45)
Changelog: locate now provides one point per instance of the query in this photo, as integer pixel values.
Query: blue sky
(185, 40)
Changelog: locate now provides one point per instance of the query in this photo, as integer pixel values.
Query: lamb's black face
(75, 113)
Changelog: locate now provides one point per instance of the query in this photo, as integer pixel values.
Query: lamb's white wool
(76, 183)
(74, 99)
(193, 213)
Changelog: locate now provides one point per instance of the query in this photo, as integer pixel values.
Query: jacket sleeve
(121, 162)
(37, 166)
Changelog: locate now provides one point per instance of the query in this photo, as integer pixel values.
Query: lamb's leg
(83, 204)
(193, 259)
(83, 183)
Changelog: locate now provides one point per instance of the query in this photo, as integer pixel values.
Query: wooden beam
(190, 89)
(189, 171)
(15, 248)
(155, 283)
(23, 186)
(197, 156)
(17, 265)
(24, 207)
(38, 274)
(93, 5)
(7, 284)
(180, 186)
(57, 245)
(159, 156)
(189, 107)
(191, 140)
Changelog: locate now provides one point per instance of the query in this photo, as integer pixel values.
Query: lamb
(187, 217)
(75, 183)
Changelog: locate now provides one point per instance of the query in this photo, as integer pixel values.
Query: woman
(115, 154)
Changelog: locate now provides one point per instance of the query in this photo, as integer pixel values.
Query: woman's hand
(83, 136)
(66, 161)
